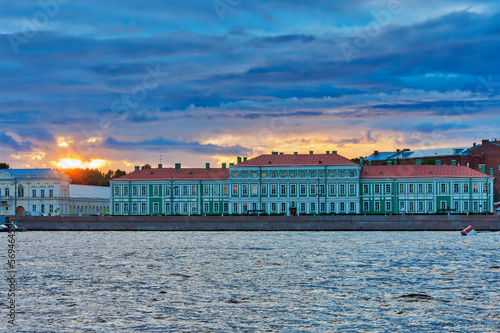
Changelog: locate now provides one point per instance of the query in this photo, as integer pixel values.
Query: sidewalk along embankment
(262, 223)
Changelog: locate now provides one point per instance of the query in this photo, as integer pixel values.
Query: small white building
(89, 200)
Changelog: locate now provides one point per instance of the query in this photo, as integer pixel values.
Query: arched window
(20, 191)
(7, 192)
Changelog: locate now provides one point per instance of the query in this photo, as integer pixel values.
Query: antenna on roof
(161, 156)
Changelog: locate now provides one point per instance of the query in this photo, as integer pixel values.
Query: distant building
(297, 184)
(484, 158)
(89, 200)
(41, 191)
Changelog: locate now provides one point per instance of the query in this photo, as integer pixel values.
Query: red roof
(419, 171)
(296, 160)
(177, 174)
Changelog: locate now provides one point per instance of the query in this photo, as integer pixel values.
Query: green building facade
(298, 184)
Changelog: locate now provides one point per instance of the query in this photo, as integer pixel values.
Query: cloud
(11, 143)
(165, 145)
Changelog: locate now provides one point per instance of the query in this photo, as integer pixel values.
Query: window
(302, 189)
(193, 189)
(293, 189)
(485, 188)
(176, 190)
(302, 207)
(410, 188)
(226, 190)
(420, 188)
(117, 208)
(342, 189)
(42, 192)
(235, 189)
(466, 188)
(264, 206)
(332, 207)
(283, 174)
(401, 188)
(430, 206)
(235, 175)
(475, 188)
(401, 206)
(443, 204)
(443, 188)
(332, 173)
(42, 208)
(134, 208)
(342, 207)
(388, 188)
(34, 208)
(273, 189)
(313, 173)
(193, 207)
(235, 207)
(134, 191)
(455, 188)
(322, 189)
(388, 206)
(292, 174)
(302, 174)
(366, 205)
(377, 189)
(216, 207)
(244, 189)
(216, 190)
(332, 189)
(143, 190)
(176, 207)
(456, 205)
(254, 206)
(352, 207)
(351, 173)
(225, 207)
(263, 175)
(273, 174)
(283, 189)
(420, 206)
(144, 209)
(117, 191)
(254, 189)
(283, 207)
(167, 190)
(125, 191)
(254, 174)
(475, 206)
(7, 192)
(322, 174)
(156, 190)
(377, 206)
(466, 205)
(156, 207)
(244, 175)
(342, 174)
(206, 207)
(206, 190)
(245, 207)
(125, 208)
(411, 206)
(313, 189)
(34, 193)
(352, 189)
(485, 206)
(264, 190)
(51, 208)
(322, 207)
(313, 207)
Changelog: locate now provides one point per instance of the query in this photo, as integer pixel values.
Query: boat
(7, 226)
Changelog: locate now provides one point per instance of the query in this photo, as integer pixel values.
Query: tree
(4, 166)
(429, 161)
(146, 166)
(119, 173)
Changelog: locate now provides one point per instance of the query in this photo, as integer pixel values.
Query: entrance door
(293, 211)
(19, 211)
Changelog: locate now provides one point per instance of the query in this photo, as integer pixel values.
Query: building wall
(309, 190)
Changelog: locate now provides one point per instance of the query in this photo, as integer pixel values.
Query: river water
(254, 282)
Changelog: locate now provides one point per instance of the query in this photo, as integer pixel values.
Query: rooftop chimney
(281, 153)
(327, 152)
(491, 172)
(244, 158)
(398, 150)
(177, 165)
(238, 159)
(223, 165)
(295, 153)
(137, 168)
(474, 144)
(311, 152)
(231, 164)
(482, 168)
(274, 153)
(160, 166)
(207, 166)
(334, 152)
(375, 153)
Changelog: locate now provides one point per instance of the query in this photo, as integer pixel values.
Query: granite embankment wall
(262, 223)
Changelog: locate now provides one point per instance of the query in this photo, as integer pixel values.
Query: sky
(116, 84)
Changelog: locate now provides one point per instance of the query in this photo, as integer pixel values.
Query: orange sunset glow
(73, 163)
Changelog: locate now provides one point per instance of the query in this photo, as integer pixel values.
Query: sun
(73, 163)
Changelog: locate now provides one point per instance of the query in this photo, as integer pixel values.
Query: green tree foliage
(92, 177)
(4, 166)
(146, 166)
(429, 161)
